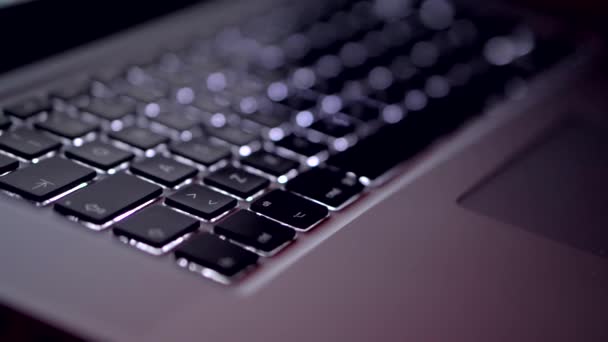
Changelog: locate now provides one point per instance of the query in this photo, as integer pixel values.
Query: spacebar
(389, 146)
(111, 197)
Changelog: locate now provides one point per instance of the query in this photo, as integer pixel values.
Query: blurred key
(65, 126)
(231, 135)
(110, 108)
(100, 155)
(335, 125)
(269, 163)
(142, 138)
(27, 144)
(201, 151)
(27, 108)
(301, 146)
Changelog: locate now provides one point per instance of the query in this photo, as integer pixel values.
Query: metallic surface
(415, 267)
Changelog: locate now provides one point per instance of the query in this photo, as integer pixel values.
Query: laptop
(276, 170)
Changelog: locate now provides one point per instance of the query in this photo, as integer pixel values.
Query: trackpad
(558, 188)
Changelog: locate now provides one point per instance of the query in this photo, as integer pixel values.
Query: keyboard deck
(221, 153)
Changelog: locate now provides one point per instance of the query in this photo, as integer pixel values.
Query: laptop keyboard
(221, 153)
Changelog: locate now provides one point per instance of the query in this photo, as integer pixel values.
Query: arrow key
(290, 209)
(201, 201)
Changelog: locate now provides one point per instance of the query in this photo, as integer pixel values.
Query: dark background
(40, 28)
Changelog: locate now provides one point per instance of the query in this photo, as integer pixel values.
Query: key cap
(336, 126)
(362, 111)
(143, 94)
(201, 151)
(27, 144)
(107, 199)
(290, 209)
(163, 170)
(237, 182)
(49, 178)
(4, 122)
(28, 108)
(210, 251)
(156, 226)
(139, 137)
(110, 108)
(269, 115)
(100, 155)
(63, 125)
(269, 163)
(301, 146)
(71, 89)
(177, 121)
(201, 201)
(254, 230)
(231, 135)
(332, 188)
(7, 164)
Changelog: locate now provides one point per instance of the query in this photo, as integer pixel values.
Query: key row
(156, 228)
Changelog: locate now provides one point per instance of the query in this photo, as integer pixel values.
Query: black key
(290, 209)
(156, 226)
(231, 135)
(27, 144)
(237, 182)
(201, 151)
(200, 201)
(270, 115)
(301, 100)
(104, 201)
(163, 170)
(139, 137)
(71, 89)
(301, 146)
(210, 251)
(100, 155)
(49, 178)
(177, 121)
(269, 163)
(362, 111)
(254, 230)
(4, 122)
(335, 125)
(7, 164)
(28, 108)
(143, 94)
(332, 188)
(65, 126)
(110, 108)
